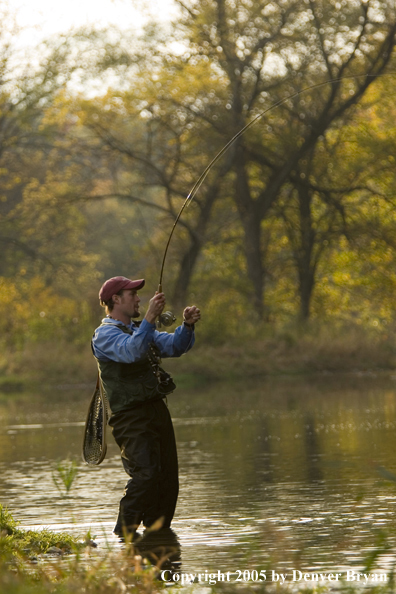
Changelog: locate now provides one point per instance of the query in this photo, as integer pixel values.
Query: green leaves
(64, 476)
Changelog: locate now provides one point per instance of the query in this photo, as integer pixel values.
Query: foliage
(33, 312)
(64, 476)
(126, 571)
(14, 541)
(7, 522)
(295, 221)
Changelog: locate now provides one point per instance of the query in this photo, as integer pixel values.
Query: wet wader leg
(137, 436)
(169, 476)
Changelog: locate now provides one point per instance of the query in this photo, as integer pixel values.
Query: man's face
(130, 303)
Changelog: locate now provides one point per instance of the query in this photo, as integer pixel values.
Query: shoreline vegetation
(41, 562)
(297, 222)
(313, 350)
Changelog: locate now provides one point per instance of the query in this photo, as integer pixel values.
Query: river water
(279, 473)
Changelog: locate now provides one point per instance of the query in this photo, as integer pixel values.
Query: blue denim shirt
(109, 343)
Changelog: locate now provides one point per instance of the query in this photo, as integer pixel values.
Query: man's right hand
(155, 308)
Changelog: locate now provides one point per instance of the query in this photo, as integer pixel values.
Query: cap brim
(136, 284)
(119, 284)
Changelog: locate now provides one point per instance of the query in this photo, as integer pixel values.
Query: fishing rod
(167, 318)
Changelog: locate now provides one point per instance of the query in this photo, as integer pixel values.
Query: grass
(64, 475)
(20, 543)
(288, 350)
(24, 569)
(81, 569)
(11, 384)
(291, 351)
(126, 571)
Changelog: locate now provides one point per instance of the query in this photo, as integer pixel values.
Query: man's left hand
(191, 315)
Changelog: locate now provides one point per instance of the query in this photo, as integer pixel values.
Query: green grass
(11, 384)
(16, 542)
(24, 568)
(64, 475)
(124, 571)
(297, 349)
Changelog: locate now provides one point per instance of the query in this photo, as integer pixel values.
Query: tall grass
(126, 571)
(264, 350)
(64, 475)
(18, 543)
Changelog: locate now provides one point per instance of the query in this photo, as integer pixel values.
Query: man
(128, 356)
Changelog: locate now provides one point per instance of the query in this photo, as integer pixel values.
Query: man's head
(120, 293)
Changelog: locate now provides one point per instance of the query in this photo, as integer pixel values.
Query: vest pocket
(139, 389)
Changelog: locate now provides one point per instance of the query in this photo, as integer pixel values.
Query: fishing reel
(166, 319)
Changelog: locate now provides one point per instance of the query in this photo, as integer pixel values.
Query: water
(276, 473)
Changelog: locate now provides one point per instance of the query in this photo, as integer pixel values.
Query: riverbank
(126, 572)
(286, 352)
(45, 562)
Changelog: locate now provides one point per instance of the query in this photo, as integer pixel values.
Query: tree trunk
(185, 272)
(197, 238)
(255, 268)
(251, 221)
(305, 260)
(305, 289)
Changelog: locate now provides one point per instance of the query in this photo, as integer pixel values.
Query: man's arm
(183, 338)
(111, 343)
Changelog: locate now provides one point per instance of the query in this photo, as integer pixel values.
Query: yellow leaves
(31, 311)
(352, 287)
(340, 277)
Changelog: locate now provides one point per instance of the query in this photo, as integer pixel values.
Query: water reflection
(161, 548)
(287, 471)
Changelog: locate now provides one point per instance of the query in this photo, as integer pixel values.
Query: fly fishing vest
(129, 384)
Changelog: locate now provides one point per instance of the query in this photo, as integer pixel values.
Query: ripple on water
(251, 493)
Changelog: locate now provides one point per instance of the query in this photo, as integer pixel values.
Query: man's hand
(191, 315)
(156, 305)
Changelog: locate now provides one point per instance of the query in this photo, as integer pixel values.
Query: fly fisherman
(128, 355)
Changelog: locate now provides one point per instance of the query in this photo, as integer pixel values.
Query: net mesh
(94, 446)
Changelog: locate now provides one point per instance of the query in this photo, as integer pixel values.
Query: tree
(159, 151)
(31, 225)
(348, 176)
(282, 48)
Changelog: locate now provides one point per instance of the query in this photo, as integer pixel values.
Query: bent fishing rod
(167, 318)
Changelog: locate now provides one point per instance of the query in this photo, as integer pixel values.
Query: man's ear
(116, 298)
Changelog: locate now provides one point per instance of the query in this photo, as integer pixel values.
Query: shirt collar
(117, 323)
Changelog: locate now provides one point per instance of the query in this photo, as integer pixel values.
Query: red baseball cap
(116, 284)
